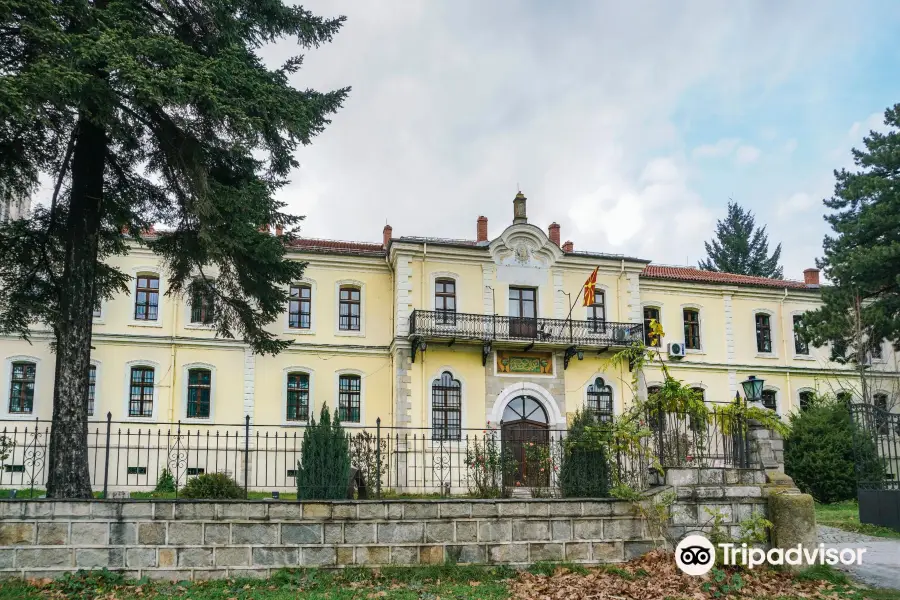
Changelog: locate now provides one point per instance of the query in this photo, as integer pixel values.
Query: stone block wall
(204, 539)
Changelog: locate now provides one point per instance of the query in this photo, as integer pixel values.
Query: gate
(876, 447)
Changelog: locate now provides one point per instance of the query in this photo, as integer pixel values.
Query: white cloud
(723, 147)
(860, 129)
(790, 146)
(745, 155)
(453, 104)
(796, 203)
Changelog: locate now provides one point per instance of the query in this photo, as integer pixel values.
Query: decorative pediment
(524, 245)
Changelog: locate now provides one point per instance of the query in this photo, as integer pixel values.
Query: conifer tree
(741, 247)
(143, 113)
(861, 304)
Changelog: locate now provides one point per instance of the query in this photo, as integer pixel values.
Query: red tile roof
(337, 247)
(700, 276)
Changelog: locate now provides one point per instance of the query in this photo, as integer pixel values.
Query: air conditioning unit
(675, 349)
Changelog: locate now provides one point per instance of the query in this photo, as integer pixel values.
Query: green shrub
(583, 472)
(165, 483)
(212, 486)
(323, 472)
(819, 453)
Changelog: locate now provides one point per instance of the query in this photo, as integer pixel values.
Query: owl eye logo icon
(695, 555)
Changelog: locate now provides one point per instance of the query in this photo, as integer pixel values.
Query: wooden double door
(525, 438)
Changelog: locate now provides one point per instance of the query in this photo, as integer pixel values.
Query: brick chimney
(568, 246)
(482, 229)
(554, 232)
(264, 229)
(279, 230)
(387, 233)
(811, 277)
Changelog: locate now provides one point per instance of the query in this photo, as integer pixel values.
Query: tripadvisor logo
(696, 555)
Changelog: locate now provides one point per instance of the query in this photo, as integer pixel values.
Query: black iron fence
(876, 446)
(125, 457)
(487, 328)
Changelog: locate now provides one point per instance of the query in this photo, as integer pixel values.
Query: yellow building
(434, 333)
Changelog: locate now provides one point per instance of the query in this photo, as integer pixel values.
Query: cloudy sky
(629, 123)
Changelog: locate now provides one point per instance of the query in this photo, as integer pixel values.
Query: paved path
(880, 564)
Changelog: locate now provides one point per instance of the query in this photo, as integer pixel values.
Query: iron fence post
(378, 458)
(106, 462)
(246, 456)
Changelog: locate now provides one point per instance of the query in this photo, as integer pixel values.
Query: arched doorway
(525, 438)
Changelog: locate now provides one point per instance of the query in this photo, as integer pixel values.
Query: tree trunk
(68, 472)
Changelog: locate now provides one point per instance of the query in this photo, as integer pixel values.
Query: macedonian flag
(589, 286)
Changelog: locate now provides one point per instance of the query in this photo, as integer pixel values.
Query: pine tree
(862, 256)
(740, 247)
(159, 112)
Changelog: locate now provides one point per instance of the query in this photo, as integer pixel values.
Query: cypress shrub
(819, 452)
(212, 486)
(584, 472)
(323, 472)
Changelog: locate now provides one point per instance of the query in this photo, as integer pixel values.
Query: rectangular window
(881, 418)
(763, 333)
(349, 309)
(98, 309)
(800, 346)
(202, 303)
(599, 400)
(523, 312)
(194, 471)
(596, 312)
(14, 468)
(300, 307)
(875, 350)
(137, 470)
(146, 301)
(446, 407)
(691, 329)
(199, 388)
(349, 387)
(650, 314)
(292, 472)
(769, 399)
(806, 398)
(297, 397)
(92, 389)
(21, 388)
(445, 301)
(140, 402)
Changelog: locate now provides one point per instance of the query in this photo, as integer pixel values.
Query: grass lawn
(845, 515)
(653, 577)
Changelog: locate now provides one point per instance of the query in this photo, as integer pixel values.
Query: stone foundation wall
(205, 539)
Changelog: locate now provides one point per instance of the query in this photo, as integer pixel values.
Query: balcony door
(522, 312)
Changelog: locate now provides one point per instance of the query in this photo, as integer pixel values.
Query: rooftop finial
(519, 213)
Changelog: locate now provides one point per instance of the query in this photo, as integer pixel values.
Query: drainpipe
(790, 392)
(421, 404)
(173, 390)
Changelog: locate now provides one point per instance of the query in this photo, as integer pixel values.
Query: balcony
(547, 333)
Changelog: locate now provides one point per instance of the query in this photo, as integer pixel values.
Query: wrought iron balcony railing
(490, 328)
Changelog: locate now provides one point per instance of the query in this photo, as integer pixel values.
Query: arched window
(21, 388)
(770, 399)
(600, 400)
(297, 397)
(199, 391)
(701, 393)
(806, 398)
(524, 408)
(656, 420)
(446, 407)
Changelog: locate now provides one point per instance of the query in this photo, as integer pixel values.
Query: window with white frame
(651, 315)
(445, 301)
(600, 400)
(199, 393)
(806, 398)
(770, 399)
(691, 328)
(140, 400)
(21, 387)
(300, 307)
(146, 298)
(763, 333)
(596, 312)
(446, 407)
(349, 398)
(203, 302)
(349, 307)
(297, 396)
(92, 389)
(801, 347)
